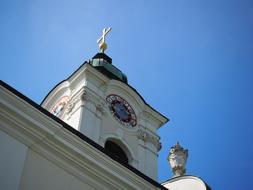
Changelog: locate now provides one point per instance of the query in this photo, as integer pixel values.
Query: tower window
(116, 150)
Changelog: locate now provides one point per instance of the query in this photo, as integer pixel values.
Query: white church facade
(92, 131)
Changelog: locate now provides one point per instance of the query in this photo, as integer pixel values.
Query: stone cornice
(78, 77)
(153, 116)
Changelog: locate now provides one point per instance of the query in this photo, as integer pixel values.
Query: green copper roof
(103, 63)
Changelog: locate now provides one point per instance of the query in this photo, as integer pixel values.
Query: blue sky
(192, 60)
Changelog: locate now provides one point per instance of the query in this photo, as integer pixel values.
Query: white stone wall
(88, 112)
(39, 152)
(12, 160)
(185, 182)
(41, 174)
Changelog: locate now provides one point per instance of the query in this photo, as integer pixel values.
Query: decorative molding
(148, 114)
(74, 99)
(144, 135)
(70, 106)
(85, 96)
(141, 134)
(144, 115)
(89, 96)
(156, 141)
(100, 107)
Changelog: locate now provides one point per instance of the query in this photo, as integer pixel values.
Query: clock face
(121, 110)
(59, 106)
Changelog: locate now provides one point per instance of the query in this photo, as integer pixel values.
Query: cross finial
(101, 41)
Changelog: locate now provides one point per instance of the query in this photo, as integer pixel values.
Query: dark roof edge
(103, 56)
(62, 82)
(80, 135)
(167, 119)
(207, 186)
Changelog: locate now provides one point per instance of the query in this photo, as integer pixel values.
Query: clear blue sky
(192, 60)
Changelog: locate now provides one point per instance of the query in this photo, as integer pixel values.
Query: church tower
(98, 101)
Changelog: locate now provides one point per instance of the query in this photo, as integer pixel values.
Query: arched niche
(118, 149)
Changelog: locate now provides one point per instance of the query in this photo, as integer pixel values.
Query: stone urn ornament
(177, 159)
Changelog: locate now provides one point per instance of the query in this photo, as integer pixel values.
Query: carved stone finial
(177, 159)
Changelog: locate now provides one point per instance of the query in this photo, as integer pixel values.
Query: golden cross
(101, 41)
